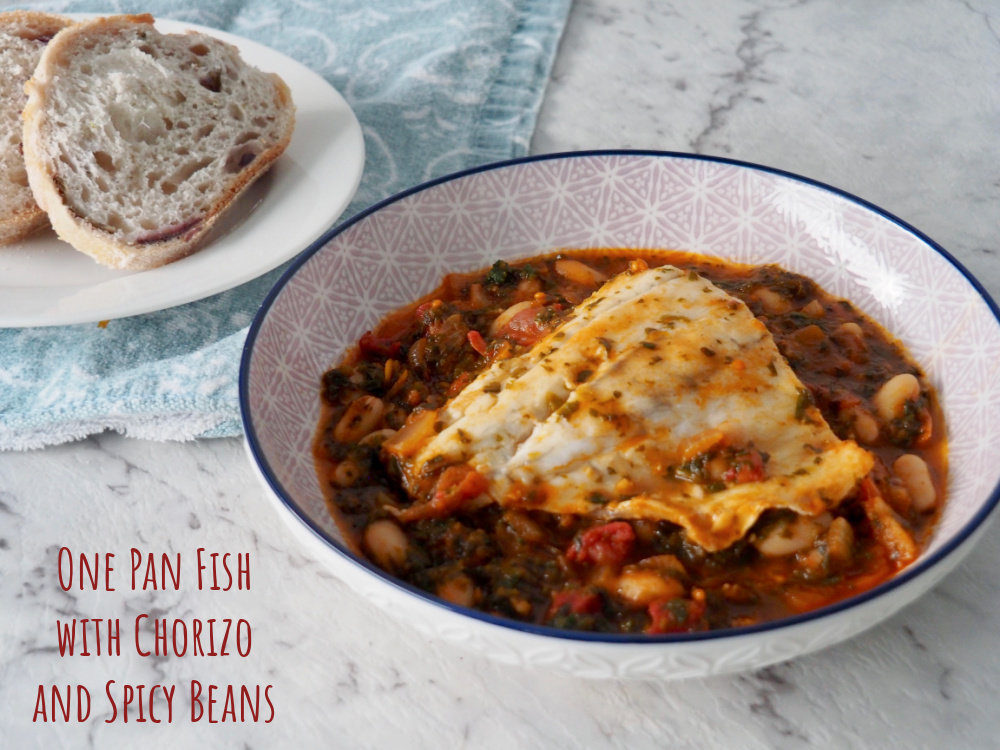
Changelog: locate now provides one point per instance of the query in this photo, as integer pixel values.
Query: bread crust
(164, 244)
(20, 214)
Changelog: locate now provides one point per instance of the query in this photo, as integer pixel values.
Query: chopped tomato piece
(456, 486)
(677, 615)
(477, 342)
(498, 349)
(525, 328)
(459, 483)
(609, 544)
(372, 345)
(576, 602)
(430, 315)
(867, 490)
(747, 466)
(459, 384)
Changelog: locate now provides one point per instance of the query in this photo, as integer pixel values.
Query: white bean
(916, 477)
(891, 398)
(772, 301)
(810, 335)
(346, 473)
(788, 538)
(458, 589)
(386, 543)
(866, 428)
(665, 564)
(850, 336)
(579, 273)
(361, 417)
(375, 439)
(850, 329)
(639, 587)
(840, 542)
(814, 309)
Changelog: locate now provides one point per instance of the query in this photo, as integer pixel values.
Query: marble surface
(895, 102)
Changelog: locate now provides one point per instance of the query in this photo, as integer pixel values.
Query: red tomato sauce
(625, 576)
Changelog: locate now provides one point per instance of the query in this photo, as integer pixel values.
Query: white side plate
(44, 281)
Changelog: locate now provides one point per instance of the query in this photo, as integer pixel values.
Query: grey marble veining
(894, 102)
(897, 103)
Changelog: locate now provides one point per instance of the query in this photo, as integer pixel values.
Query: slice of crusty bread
(23, 36)
(135, 142)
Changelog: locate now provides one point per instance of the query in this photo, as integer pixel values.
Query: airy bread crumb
(136, 142)
(23, 36)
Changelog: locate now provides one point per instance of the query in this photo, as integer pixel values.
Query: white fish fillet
(597, 417)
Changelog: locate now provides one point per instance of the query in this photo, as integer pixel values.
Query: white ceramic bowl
(400, 249)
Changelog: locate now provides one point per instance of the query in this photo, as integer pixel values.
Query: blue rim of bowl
(897, 581)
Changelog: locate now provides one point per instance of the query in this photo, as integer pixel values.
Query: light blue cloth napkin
(437, 85)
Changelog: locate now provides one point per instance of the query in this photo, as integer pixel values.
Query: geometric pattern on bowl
(399, 250)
